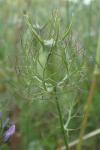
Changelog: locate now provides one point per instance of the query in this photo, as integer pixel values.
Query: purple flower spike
(0, 115)
(9, 133)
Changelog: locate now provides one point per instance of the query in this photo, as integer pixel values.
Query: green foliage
(47, 53)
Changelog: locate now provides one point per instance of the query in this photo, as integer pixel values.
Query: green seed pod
(97, 67)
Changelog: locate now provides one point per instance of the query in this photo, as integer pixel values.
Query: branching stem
(61, 122)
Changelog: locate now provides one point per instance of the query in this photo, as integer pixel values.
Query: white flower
(49, 43)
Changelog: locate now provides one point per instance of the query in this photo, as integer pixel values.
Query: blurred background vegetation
(26, 88)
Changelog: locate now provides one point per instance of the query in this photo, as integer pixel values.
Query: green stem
(61, 122)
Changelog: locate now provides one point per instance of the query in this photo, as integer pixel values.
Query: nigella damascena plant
(7, 129)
